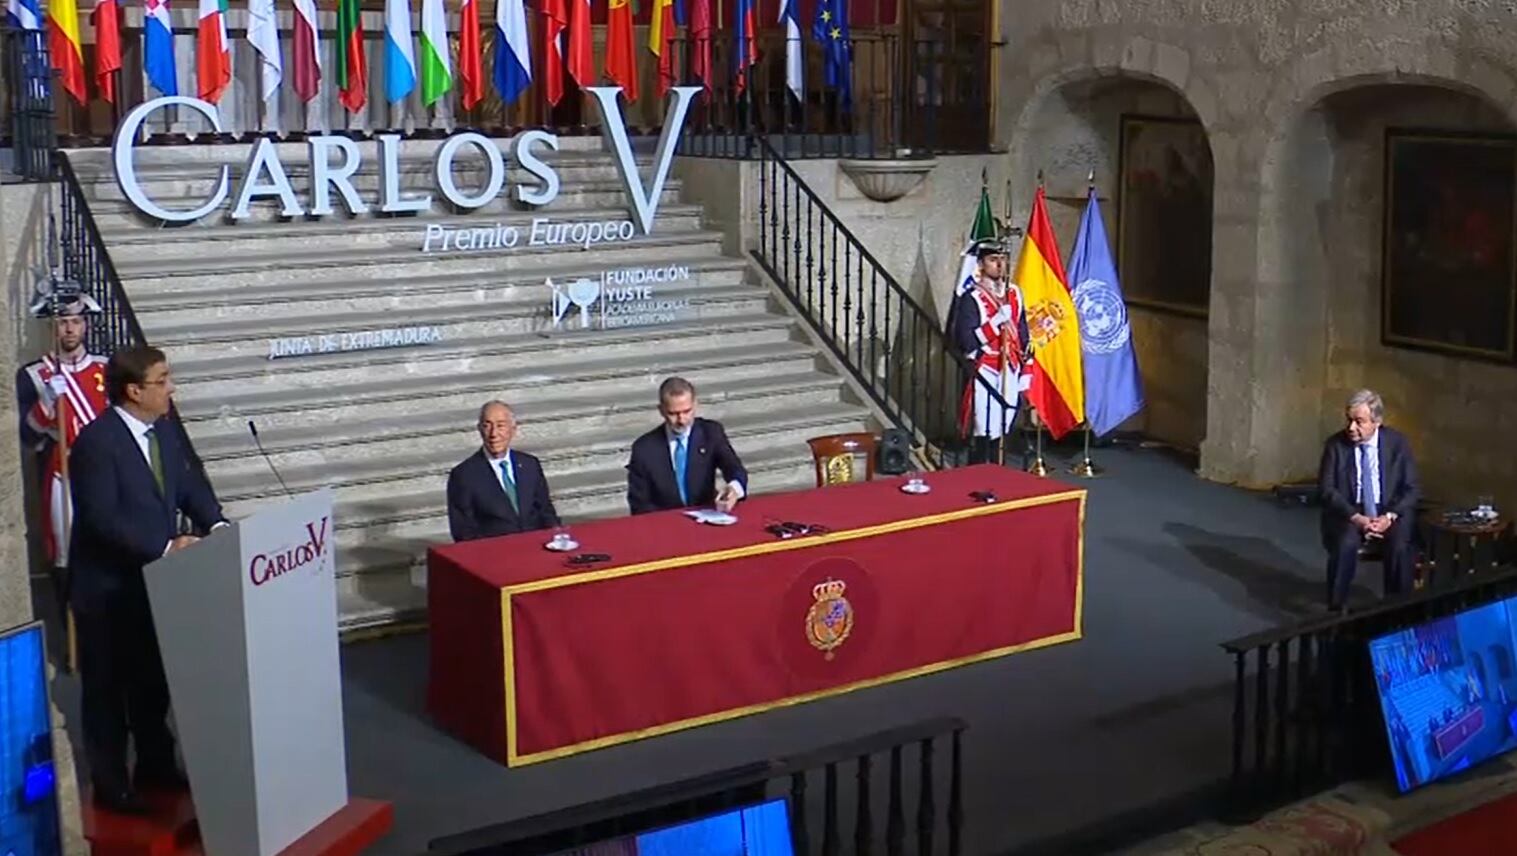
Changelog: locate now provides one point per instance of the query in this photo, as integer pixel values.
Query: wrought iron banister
(897, 351)
(27, 105)
(1305, 713)
(878, 825)
(86, 259)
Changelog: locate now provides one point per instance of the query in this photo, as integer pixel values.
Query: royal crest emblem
(830, 618)
(1044, 321)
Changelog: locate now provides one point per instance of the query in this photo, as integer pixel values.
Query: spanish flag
(1058, 383)
(661, 36)
(63, 43)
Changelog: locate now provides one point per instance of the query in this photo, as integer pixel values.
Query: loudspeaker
(895, 453)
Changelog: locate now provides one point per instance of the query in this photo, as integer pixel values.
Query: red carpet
(1489, 829)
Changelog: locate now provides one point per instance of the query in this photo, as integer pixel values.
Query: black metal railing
(1306, 713)
(27, 101)
(896, 350)
(854, 797)
(85, 260)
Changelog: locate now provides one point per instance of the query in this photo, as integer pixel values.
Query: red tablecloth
(687, 624)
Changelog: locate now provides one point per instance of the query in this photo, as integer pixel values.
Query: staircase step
(315, 264)
(273, 386)
(171, 247)
(597, 451)
(339, 299)
(238, 337)
(548, 415)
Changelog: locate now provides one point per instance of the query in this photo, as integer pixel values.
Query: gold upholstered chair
(837, 458)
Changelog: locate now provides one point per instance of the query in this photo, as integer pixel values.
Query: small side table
(1460, 546)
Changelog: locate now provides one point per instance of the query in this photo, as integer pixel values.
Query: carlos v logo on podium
(309, 553)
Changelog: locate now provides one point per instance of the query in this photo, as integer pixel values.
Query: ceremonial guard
(59, 394)
(990, 331)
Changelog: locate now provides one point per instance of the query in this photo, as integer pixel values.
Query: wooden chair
(836, 457)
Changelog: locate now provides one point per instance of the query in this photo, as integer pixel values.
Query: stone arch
(1317, 268)
(1070, 123)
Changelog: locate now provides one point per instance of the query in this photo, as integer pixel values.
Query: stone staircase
(383, 427)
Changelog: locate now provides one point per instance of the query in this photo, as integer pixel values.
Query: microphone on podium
(253, 429)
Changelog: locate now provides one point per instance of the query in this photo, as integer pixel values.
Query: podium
(247, 623)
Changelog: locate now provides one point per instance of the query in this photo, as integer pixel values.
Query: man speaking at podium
(675, 464)
(130, 478)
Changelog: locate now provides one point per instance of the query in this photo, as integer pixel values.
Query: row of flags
(566, 43)
(1085, 369)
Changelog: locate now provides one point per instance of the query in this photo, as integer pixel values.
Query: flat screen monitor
(28, 787)
(757, 830)
(1447, 689)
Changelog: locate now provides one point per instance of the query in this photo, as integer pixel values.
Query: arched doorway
(1327, 243)
(1151, 162)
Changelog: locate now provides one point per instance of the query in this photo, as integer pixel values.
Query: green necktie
(155, 458)
(509, 483)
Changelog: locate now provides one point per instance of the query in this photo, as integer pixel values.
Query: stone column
(22, 225)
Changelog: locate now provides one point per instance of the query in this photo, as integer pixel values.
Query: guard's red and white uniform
(1000, 330)
(80, 388)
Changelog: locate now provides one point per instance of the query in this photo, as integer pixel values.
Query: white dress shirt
(1374, 484)
(139, 431)
(674, 437)
(495, 467)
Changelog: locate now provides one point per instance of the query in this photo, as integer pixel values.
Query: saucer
(561, 547)
(916, 490)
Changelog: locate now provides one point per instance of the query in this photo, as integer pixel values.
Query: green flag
(984, 226)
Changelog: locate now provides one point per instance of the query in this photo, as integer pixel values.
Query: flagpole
(1039, 467)
(1086, 468)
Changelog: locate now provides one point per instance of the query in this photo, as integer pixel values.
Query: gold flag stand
(1038, 467)
(1086, 468)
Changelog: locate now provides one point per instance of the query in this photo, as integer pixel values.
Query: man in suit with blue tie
(130, 478)
(498, 490)
(675, 464)
(1369, 490)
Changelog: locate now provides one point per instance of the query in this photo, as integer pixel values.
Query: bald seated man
(498, 490)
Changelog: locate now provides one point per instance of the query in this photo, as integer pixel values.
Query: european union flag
(830, 28)
(1113, 388)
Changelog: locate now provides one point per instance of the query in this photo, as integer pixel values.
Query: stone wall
(1461, 414)
(1255, 74)
(22, 223)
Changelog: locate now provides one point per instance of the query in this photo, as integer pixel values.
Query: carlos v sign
(334, 160)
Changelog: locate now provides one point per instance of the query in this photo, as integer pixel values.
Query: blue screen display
(759, 830)
(28, 795)
(1447, 689)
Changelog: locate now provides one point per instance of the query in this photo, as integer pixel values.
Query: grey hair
(1371, 399)
(495, 402)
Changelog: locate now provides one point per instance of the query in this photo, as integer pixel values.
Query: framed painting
(1448, 271)
(1164, 214)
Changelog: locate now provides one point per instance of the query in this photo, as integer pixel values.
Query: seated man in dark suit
(498, 490)
(1369, 489)
(675, 464)
(130, 476)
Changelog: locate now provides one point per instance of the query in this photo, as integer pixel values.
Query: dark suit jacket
(122, 521)
(478, 506)
(650, 472)
(1399, 486)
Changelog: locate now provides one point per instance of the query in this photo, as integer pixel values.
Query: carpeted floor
(1063, 742)
(1490, 830)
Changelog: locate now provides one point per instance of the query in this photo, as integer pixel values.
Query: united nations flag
(1113, 388)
